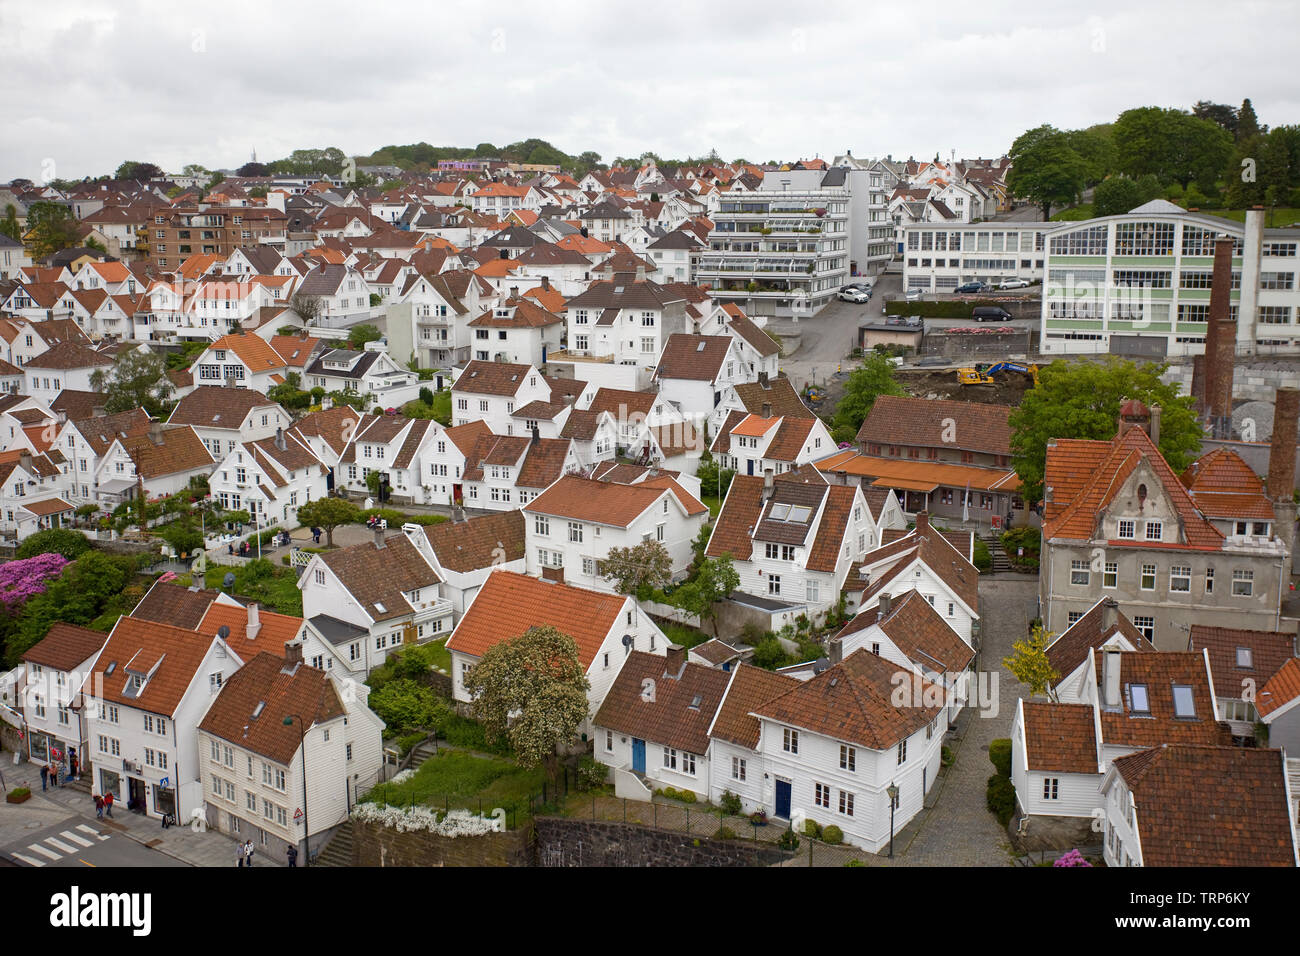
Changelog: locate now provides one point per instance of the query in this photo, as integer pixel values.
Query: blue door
(543, 354)
(783, 799)
(638, 755)
(750, 466)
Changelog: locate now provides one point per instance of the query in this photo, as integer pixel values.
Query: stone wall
(562, 842)
(1253, 380)
(374, 845)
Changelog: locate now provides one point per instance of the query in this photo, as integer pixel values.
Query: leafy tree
(1219, 113)
(769, 654)
(714, 579)
(1116, 195)
(713, 479)
(359, 335)
(64, 541)
(140, 172)
(290, 393)
(645, 564)
(1247, 124)
(327, 514)
(9, 225)
(308, 306)
(1082, 400)
(138, 379)
(1028, 663)
(79, 595)
(258, 192)
(1171, 145)
(873, 378)
(1046, 168)
(253, 170)
(531, 691)
(183, 535)
(1096, 147)
(50, 228)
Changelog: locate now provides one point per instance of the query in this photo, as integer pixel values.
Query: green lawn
(458, 779)
(1281, 216)
(683, 634)
(713, 503)
(274, 587)
(1074, 213)
(442, 406)
(439, 656)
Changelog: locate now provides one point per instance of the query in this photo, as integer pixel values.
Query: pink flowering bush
(1073, 858)
(22, 580)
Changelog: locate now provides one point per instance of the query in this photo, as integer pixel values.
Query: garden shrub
(725, 833)
(983, 559)
(832, 835)
(812, 829)
(730, 804)
(1001, 798)
(592, 774)
(789, 840)
(1000, 755)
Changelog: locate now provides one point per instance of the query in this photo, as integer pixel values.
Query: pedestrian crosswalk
(54, 848)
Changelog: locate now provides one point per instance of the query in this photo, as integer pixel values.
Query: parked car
(914, 295)
(1014, 284)
(853, 295)
(971, 287)
(990, 313)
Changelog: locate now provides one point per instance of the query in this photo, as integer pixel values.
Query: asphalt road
(75, 842)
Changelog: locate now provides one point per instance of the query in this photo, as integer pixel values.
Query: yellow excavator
(984, 375)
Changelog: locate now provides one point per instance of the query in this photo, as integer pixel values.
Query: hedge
(1000, 755)
(1001, 798)
(983, 559)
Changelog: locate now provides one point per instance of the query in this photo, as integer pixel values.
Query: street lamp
(306, 828)
(892, 790)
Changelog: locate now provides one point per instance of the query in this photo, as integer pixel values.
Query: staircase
(81, 786)
(338, 852)
(1001, 563)
(422, 753)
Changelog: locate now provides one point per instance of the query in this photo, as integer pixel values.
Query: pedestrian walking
(108, 804)
(315, 535)
(239, 855)
(99, 807)
(72, 763)
(248, 853)
(292, 854)
(54, 775)
(45, 775)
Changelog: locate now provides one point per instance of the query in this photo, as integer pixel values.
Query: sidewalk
(197, 848)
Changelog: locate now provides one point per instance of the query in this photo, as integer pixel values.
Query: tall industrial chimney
(1220, 341)
(1281, 465)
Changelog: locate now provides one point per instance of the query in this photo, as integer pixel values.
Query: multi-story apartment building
(1146, 275)
(939, 256)
(782, 249)
(176, 234)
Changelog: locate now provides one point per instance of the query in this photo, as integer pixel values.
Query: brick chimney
(922, 522)
(767, 410)
(1155, 425)
(674, 661)
(546, 284)
(1281, 466)
(553, 574)
(379, 539)
(1220, 340)
(514, 292)
(1109, 615)
(1198, 383)
(254, 623)
(292, 652)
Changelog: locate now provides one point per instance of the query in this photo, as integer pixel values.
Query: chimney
(640, 273)
(882, 610)
(537, 435)
(514, 292)
(835, 651)
(25, 460)
(674, 661)
(280, 441)
(767, 409)
(98, 411)
(1155, 425)
(922, 523)
(546, 284)
(379, 538)
(1109, 615)
(292, 652)
(231, 382)
(1198, 383)
(769, 482)
(1220, 340)
(254, 622)
(1281, 466)
(156, 432)
(762, 380)
(553, 574)
(1110, 679)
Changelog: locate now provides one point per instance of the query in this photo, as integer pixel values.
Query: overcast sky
(87, 84)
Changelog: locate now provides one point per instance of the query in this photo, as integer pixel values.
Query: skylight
(257, 711)
(779, 512)
(1184, 703)
(1138, 699)
(1244, 658)
(379, 606)
(800, 513)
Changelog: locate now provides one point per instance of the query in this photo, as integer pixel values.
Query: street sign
(164, 782)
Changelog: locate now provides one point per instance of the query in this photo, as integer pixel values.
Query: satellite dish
(627, 640)
(229, 580)
(223, 632)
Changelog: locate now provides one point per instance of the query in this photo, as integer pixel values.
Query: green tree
(714, 579)
(1116, 195)
(9, 225)
(290, 393)
(407, 706)
(1096, 147)
(1046, 169)
(1029, 664)
(359, 335)
(183, 535)
(1220, 114)
(327, 514)
(138, 379)
(1170, 144)
(873, 378)
(79, 596)
(531, 691)
(1247, 123)
(50, 228)
(646, 564)
(71, 544)
(140, 172)
(1082, 400)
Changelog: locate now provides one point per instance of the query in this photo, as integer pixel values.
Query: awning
(115, 486)
(905, 484)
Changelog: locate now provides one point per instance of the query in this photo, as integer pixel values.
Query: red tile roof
(750, 688)
(1282, 688)
(1060, 738)
(508, 604)
(1160, 672)
(679, 712)
(64, 646)
(170, 656)
(904, 420)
